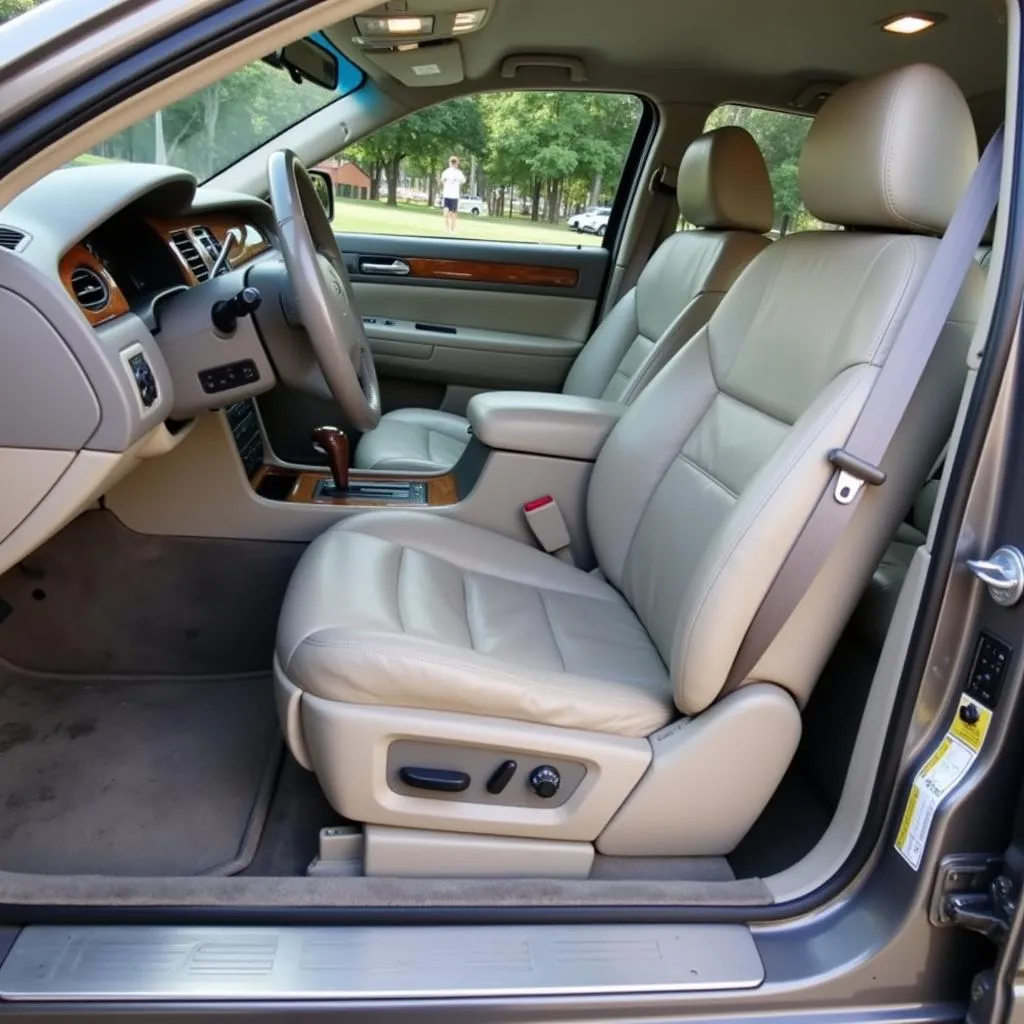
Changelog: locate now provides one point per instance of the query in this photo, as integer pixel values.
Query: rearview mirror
(324, 186)
(306, 60)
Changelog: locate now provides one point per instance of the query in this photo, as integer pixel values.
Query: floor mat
(98, 599)
(291, 838)
(134, 776)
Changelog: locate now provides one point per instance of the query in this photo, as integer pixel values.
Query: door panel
(491, 315)
(475, 315)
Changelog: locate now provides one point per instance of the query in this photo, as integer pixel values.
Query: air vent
(89, 288)
(12, 238)
(206, 238)
(182, 241)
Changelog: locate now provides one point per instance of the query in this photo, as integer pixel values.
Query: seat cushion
(409, 609)
(414, 441)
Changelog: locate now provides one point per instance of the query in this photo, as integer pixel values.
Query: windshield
(224, 122)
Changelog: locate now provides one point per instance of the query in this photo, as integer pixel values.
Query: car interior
(329, 584)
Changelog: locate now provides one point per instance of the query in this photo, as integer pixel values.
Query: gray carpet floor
(134, 776)
(100, 599)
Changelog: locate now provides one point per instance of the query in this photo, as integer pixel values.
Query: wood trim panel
(441, 490)
(488, 272)
(218, 224)
(117, 304)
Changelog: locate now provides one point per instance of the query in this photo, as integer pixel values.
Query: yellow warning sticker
(940, 775)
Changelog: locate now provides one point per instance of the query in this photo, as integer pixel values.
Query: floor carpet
(99, 599)
(134, 776)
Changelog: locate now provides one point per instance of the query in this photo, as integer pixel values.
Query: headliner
(709, 51)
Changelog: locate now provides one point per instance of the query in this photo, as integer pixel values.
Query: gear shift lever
(334, 442)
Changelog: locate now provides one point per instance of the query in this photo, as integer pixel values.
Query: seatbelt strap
(856, 464)
(662, 214)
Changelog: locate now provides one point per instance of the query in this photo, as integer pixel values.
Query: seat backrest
(723, 188)
(705, 483)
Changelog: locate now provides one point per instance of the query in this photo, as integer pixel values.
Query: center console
(363, 489)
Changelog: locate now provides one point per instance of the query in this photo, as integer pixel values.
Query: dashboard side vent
(182, 241)
(206, 238)
(12, 238)
(90, 289)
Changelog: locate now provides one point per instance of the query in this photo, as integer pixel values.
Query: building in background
(350, 180)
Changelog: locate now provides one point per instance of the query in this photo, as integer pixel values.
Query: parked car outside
(573, 223)
(594, 223)
(473, 205)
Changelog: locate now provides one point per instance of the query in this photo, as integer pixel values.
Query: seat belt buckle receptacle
(544, 518)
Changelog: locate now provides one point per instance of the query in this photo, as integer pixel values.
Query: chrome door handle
(1002, 572)
(396, 268)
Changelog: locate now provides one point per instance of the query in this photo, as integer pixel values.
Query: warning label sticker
(939, 776)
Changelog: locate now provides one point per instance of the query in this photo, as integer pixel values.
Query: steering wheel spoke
(323, 292)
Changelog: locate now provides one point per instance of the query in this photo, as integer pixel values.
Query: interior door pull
(396, 268)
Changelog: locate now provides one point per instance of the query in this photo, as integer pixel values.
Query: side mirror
(324, 186)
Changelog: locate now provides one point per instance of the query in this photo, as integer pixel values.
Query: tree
(562, 146)
(781, 138)
(428, 137)
(207, 130)
(12, 8)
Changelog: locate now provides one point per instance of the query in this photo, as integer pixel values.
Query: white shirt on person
(452, 180)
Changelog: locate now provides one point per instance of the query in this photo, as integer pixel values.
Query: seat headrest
(723, 182)
(894, 151)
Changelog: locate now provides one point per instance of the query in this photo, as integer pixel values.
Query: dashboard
(131, 261)
(114, 282)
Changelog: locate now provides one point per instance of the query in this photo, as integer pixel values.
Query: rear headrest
(894, 151)
(723, 182)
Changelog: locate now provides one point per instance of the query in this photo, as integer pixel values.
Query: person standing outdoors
(452, 180)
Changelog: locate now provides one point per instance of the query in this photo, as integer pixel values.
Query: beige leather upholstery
(695, 498)
(414, 440)
(431, 613)
(724, 188)
(855, 173)
(533, 421)
(721, 184)
(875, 609)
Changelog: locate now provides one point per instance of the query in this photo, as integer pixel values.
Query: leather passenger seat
(723, 188)
(419, 658)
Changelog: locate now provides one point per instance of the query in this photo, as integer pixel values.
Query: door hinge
(972, 892)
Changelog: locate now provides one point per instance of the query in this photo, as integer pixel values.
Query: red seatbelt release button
(544, 518)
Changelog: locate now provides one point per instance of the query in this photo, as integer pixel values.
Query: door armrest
(565, 426)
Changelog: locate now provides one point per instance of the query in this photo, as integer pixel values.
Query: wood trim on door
(487, 272)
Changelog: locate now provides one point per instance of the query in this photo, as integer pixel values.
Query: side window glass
(781, 137)
(538, 167)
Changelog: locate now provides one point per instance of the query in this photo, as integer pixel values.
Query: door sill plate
(132, 963)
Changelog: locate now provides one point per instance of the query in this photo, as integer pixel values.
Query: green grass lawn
(366, 217)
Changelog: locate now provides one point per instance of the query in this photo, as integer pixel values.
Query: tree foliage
(12, 8)
(427, 137)
(206, 131)
(557, 151)
(781, 138)
(567, 146)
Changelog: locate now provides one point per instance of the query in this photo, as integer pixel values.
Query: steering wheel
(323, 293)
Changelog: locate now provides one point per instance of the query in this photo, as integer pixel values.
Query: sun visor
(421, 64)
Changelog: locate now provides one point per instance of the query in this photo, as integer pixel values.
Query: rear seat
(874, 612)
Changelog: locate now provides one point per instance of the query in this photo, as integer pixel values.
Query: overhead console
(417, 41)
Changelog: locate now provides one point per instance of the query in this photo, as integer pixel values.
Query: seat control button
(440, 780)
(545, 780)
(502, 777)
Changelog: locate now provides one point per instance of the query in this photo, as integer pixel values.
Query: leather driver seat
(723, 188)
(412, 644)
